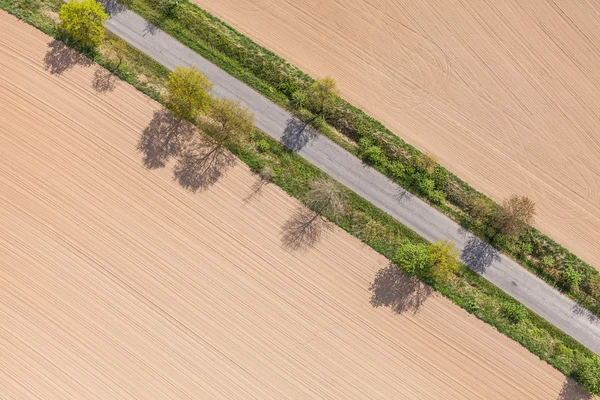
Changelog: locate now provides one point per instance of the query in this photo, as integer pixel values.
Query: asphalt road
(370, 184)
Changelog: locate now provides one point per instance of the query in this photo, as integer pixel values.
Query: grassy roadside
(372, 142)
(363, 220)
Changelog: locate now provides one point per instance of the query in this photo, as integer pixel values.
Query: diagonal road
(506, 274)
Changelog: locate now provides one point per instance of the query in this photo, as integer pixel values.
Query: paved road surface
(370, 184)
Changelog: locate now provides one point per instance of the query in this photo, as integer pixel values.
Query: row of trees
(188, 97)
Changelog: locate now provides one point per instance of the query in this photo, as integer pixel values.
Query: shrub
(413, 258)
(571, 278)
(426, 186)
(437, 197)
(263, 146)
(299, 99)
(515, 312)
(588, 372)
(441, 177)
(374, 155)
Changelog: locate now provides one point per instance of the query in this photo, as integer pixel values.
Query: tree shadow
(104, 81)
(479, 255)
(163, 138)
(571, 390)
(61, 58)
(256, 188)
(150, 28)
(113, 7)
(402, 195)
(202, 165)
(303, 230)
(581, 311)
(397, 290)
(297, 134)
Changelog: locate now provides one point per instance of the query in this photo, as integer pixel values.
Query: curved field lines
(503, 93)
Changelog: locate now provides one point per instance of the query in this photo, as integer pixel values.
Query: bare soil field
(503, 93)
(115, 282)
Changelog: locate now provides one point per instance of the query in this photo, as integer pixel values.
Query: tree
(323, 95)
(326, 197)
(83, 21)
(514, 215)
(233, 120)
(117, 50)
(444, 261)
(413, 258)
(437, 261)
(304, 228)
(187, 93)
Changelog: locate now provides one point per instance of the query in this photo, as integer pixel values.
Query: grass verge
(374, 227)
(371, 141)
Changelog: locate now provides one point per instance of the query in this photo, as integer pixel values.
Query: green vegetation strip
(361, 219)
(373, 143)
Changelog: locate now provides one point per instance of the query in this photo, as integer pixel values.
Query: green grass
(372, 226)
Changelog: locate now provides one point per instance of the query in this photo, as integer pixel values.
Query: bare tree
(325, 197)
(514, 215)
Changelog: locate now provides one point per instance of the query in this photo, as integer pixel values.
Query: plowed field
(117, 283)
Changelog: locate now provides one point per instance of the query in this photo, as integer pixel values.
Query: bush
(571, 278)
(515, 312)
(299, 99)
(263, 146)
(413, 258)
(588, 372)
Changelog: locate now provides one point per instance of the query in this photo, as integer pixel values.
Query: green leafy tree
(187, 93)
(437, 261)
(83, 21)
(322, 95)
(588, 372)
(233, 120)
(414, 258)
(444, 261)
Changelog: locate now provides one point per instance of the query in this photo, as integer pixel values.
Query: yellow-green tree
(83, 21)
(233, 120)
(444, 261)
(323, 95)
(437, 261)
(187, 93)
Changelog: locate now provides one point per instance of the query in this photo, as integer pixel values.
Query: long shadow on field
(60, 58)
(479, 255)
(297, 134)
(201, 165)
(164, 138)
(199, 161)
(303, 230)
(104, 81)
(394, 289)
(571, 390)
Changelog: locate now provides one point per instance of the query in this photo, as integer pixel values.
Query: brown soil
(503, 93)
(115, 282)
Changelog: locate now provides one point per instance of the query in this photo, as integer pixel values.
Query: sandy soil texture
(115, 282)
(503, 93)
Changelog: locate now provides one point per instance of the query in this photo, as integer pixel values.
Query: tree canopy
(438, 261)
(83, 21)
(187, 93)
(234, 120)
(322, 95)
